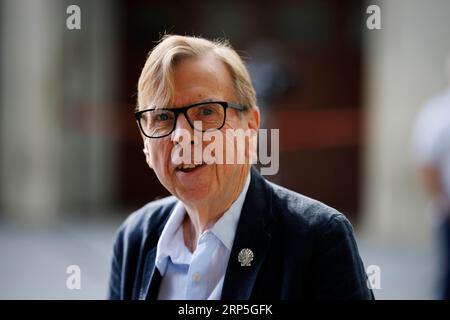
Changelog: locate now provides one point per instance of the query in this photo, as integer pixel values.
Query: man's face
(198, 80)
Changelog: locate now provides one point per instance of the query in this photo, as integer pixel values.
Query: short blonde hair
(155, 86)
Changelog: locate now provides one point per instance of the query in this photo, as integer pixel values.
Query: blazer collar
(251, 233)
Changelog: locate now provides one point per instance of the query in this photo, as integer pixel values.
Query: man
(431, 142)
(226, 233)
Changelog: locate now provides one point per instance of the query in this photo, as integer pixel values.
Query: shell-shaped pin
(245, 257)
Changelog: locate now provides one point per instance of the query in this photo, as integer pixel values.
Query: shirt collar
(171, 243)
(225, 227)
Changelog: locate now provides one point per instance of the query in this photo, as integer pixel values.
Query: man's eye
(206, 111)
(161, 117)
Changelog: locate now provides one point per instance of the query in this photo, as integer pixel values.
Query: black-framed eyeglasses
(201, 116)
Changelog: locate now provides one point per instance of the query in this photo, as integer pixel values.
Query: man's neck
(195, 222)
(203, 217)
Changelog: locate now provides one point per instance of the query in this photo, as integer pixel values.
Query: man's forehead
(206, 70)
(196, 79)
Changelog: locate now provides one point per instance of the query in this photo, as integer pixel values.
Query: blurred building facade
(58, 87)
(69, 142)
(81, 150)
(404, 68)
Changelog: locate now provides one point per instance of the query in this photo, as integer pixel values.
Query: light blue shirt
(198, 275)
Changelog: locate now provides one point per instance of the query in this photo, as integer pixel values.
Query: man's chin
(191, 177)
(194, 196)
(195, 184)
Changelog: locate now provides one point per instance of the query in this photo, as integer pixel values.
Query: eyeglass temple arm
(236, 106)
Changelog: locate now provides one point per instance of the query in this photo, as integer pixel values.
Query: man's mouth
(188, 167)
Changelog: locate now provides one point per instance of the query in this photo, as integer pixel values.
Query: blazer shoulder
(299, 209)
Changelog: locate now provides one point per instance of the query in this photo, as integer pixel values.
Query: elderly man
(226, 233)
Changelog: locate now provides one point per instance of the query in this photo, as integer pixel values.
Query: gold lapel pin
(245, 257)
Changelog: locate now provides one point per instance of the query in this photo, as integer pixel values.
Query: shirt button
(196, 277)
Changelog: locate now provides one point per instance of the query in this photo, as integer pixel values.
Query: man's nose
(182, 127)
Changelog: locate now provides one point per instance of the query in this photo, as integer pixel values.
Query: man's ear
(253, 118)
(147, 156)
(146, 151)
(253, 124)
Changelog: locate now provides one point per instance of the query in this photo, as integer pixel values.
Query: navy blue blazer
(302, 249)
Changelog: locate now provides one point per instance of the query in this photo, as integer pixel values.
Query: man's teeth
(188, 166)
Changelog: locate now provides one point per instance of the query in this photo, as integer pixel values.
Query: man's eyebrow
(203, 101)
(206, 100)
(190, 104)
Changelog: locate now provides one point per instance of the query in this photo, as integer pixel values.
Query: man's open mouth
(188, 167)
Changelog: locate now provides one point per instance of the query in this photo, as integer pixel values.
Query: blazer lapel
(151, 278)
(252, 233)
